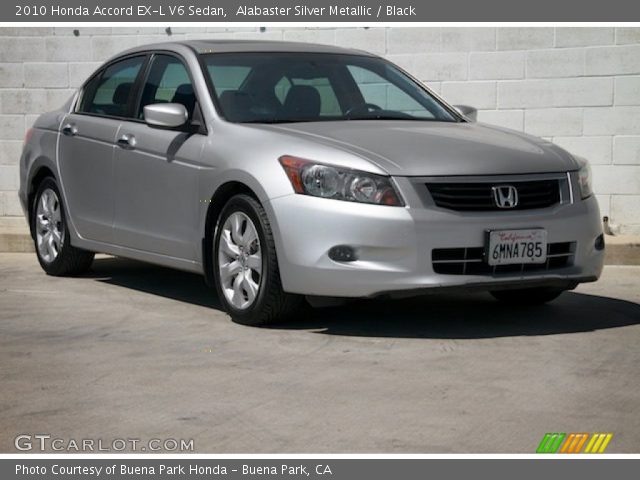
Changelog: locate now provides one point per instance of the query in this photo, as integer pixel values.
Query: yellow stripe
(605, 443)
(567, 442)
(590, 444)
(596, 445)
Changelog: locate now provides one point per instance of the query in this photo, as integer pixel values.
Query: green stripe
(543, 443)
(551, 442)
(557, 443)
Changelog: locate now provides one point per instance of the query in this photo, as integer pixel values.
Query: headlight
(584, 178)
(326, 181)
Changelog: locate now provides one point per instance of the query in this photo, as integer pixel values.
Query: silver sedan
(285, 171)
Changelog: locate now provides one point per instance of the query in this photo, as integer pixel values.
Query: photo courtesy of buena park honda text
(291, 239)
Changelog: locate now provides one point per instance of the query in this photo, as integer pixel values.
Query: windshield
(313, 87)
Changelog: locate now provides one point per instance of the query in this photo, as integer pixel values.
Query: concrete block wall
(577, 86)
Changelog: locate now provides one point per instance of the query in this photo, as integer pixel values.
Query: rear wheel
(527, 296)
(246, 266)
(51, 236)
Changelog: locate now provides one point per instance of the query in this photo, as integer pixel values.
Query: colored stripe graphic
(573, 442)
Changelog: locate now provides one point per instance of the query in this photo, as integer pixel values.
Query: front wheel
(246, 266)
(51, 235)
(527, 296)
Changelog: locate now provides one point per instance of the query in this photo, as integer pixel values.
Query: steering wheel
(369, 107)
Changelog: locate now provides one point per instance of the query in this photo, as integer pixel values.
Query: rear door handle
(70, 130)
(127, 141)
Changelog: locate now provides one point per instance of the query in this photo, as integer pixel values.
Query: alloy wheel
(49, 226)
(239, 260)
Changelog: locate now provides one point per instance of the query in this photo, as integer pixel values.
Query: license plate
(508, 247)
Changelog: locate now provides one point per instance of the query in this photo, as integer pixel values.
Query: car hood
(422, 148)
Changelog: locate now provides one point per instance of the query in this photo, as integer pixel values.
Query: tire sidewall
(244, 204)
(50, 267)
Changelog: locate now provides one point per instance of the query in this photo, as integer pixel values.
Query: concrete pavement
(137, 351)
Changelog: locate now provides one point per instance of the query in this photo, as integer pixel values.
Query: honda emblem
(505, 196)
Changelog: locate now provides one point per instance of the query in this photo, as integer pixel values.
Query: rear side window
(168, 82)
(110, 92)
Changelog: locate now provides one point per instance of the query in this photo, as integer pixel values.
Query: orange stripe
(575, 442)
(581, 443)
(567, 442)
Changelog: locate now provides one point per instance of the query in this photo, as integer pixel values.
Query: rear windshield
(306, 87)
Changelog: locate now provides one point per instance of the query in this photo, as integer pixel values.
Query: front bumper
(395, 245)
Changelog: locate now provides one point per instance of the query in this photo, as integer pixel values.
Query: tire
(248, 284)
(53, 247)
(527, 296)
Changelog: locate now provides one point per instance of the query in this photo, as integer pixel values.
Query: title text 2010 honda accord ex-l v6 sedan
(281, 171)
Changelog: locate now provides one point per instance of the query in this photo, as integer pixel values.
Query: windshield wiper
(282, 120)
(271, 121)
(387, 116)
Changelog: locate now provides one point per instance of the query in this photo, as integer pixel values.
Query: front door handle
(70, 130)
(127, 141)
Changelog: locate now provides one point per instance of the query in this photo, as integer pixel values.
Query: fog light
(599, 243)
(343, 253)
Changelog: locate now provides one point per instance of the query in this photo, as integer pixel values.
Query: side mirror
(470, 112)
(165, 115)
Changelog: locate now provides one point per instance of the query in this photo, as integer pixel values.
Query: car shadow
(438, 316)
(145, 277)
(471, 316)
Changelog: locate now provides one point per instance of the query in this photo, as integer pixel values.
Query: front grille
(478, 196)
(470, 261)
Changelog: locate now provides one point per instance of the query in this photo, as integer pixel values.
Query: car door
(86, 147)
(156, 170)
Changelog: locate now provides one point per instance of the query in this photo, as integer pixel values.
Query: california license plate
(508, 247)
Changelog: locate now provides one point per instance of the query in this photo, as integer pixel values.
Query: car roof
(233, 46)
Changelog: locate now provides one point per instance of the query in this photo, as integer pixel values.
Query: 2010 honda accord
(281, 171)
